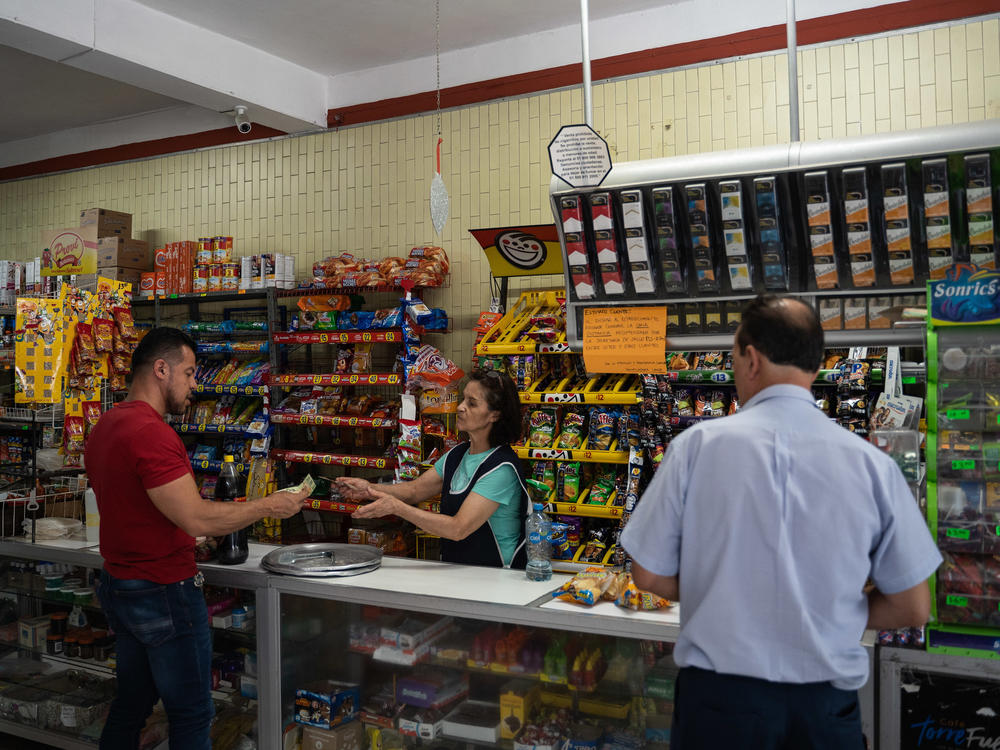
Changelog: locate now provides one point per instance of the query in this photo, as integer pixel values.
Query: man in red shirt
(150, 513)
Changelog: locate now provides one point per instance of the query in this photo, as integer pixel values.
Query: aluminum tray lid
(326, 558)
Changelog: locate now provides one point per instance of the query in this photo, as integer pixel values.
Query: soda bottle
(233, 547)
(538, 536)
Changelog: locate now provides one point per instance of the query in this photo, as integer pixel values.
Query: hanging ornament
(439, 193)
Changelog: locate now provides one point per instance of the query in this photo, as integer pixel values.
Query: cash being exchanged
(306, 484)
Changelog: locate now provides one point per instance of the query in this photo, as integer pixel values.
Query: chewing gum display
(859, 242)
(979, 205)
(580, 273)
(937, 216)
(666, 240)
(635, 242)
(820, 224)
(701, 243)
(734, 233)
(896, 218)
(606, 244)
(772, 250)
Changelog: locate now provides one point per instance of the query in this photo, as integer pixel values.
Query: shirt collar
(783, 390)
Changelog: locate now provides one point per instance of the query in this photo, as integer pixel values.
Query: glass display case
(57, 654)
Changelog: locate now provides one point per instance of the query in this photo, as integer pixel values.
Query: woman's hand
(382, 505)
(354, 488)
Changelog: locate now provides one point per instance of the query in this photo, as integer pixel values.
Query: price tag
(998, 418)
(957, 414)
(957, 533)
(909, 379)
(967, 464)
(957, 601)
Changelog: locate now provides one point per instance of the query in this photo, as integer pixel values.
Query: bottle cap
(539, 506)
(228, 459)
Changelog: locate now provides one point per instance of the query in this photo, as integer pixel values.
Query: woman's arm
(474, 512)
(424, 487)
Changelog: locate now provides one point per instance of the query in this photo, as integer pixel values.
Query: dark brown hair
(501, 396)
(787, 334)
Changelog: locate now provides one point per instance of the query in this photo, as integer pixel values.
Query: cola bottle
(233, 547)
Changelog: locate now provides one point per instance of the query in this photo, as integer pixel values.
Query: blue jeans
(164, 650)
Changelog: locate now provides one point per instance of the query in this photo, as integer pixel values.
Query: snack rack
(963, 496)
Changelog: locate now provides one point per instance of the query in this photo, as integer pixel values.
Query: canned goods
(223, 249)
(199, 279)
(230, 277)
(161, 283)
(206, 250)
(147, 283)
(215, 278)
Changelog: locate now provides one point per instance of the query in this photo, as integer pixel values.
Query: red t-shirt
(131, 450)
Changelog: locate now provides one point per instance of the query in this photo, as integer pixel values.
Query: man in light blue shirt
(766, 526)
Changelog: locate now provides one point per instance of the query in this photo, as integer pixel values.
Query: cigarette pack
(606, 244)
(937, 216)
(820, 224)
(831, 315)
(734, 235)
(979, 206)
(772, 250)
(636, 250)
(859, 242)
(701, 242)
(577, 261)
(666, 240)
(854, 313)
(896, 218)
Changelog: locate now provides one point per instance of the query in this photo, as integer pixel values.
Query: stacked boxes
(119, 257)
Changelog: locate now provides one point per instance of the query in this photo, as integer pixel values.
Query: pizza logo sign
(521, 249)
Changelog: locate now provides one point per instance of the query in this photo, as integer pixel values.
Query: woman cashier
(483, 496)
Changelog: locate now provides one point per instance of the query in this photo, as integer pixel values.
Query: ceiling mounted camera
(243, 123)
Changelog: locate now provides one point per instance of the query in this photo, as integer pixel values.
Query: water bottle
(538, 535)
(233, 547)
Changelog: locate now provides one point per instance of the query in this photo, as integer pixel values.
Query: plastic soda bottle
(538, 536)
(233, 547)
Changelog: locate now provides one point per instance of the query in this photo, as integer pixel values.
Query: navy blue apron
(480, 547)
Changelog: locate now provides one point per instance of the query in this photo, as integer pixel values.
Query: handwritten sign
(625, 339)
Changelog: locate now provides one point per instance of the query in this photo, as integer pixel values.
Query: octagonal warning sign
(579, 156)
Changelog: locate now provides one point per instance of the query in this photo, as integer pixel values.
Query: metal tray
(323, 559)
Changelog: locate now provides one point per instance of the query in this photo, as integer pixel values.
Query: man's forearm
(220, 518)
(885, 614)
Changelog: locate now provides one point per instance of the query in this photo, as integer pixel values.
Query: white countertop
(403, 583)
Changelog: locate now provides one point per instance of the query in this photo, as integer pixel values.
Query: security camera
(243, 123)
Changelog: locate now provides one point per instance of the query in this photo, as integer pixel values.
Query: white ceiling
(79, 75)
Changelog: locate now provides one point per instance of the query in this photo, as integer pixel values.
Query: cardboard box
(71, 251)
(474, 720)
(347, 737)
(327, 704)
(414, 631)
(123, 252)
(248, 686)
(518, 701)
(31, 631)
(108, 223)
(431, 688)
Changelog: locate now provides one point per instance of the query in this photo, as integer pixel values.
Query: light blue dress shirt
(775, 517)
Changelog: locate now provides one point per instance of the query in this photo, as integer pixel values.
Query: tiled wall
(365, 189)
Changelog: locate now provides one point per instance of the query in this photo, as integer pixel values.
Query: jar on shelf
(53, 644)
(87, 647)
(83, 596)
(71, 646)
(58, 623)
(65, 594)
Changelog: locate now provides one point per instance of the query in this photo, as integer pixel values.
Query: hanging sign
(967, 295)
(579, 156)
(625, 339)
(521, 251)
(69, 251)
